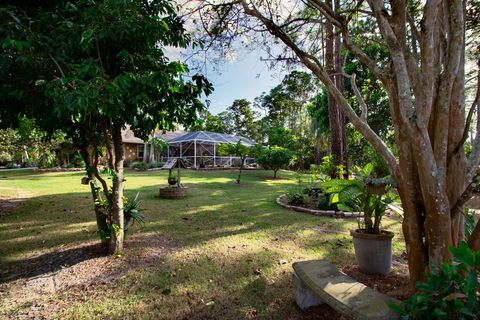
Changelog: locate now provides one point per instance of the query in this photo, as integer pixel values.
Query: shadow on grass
(234, 286)
(212, 210)
(50, 262)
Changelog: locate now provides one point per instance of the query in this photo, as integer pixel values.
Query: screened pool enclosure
(199, 149)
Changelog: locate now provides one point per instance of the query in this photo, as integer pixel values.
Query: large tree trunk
(116, 243)
(336, 119)
(424, 80)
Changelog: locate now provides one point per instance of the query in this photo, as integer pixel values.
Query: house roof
(170, 135)
(211, 137)
(129, 137)
(179, 136)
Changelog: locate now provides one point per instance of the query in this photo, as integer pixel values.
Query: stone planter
(373, 251)
(173, 192)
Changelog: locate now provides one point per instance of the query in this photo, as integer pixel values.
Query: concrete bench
(318, 281)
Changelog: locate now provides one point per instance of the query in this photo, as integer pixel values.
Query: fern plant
(358, 195)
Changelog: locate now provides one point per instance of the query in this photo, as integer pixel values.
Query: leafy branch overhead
(89, 69)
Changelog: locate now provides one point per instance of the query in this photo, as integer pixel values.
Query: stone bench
(318, 281)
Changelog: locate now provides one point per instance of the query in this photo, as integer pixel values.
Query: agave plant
(132, 212)
(358, 195)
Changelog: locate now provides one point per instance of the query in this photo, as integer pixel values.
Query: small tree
(275, 158)
(238, 149)
(158, 145)
(88, 69)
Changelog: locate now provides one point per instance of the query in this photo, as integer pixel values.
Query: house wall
(131, 153)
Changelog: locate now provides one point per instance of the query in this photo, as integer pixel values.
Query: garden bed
(282, 201)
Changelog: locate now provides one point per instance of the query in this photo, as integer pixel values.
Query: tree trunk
(336, 119)
(100, 214)
(151, 154)
(116, 243)
(424, 80)
(240, 170)
(275, 174)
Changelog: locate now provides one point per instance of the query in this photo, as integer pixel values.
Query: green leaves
(275, 158)
(464, 255)
(451, 292)
(86, 36)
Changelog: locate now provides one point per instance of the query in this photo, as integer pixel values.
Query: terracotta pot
(373, 251)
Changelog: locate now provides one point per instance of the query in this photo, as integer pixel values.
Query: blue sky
(247, 77)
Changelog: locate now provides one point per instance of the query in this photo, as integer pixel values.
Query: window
(140, 150)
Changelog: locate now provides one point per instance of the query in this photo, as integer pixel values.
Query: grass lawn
(226, 251)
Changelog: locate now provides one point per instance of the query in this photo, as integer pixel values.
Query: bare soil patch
(33, 288)
(396, 284)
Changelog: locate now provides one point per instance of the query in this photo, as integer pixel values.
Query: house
(198, 149)
(136, 149)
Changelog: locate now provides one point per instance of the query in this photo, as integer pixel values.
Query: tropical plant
(132, 213)
(159, 145)
(451, 291)
(359, 195)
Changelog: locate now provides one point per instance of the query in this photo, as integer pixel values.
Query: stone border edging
(325, 213)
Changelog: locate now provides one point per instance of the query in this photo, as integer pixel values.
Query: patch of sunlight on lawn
(233, 251)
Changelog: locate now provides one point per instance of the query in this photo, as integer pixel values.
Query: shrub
(156, 164)
(451, 292)
(5, 158)
(138, 165)
(297, 196)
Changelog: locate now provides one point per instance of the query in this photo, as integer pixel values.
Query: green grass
(223, 232)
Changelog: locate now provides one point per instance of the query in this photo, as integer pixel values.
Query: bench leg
(304, 297)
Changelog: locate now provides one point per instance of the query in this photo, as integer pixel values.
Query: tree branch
(361, 101)
(316, 67)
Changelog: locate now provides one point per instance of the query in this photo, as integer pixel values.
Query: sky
(245, 78)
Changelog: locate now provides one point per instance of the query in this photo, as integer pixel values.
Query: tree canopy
(89, 68)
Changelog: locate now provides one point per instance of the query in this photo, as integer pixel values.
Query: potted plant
(172, 179)
(373, 246)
